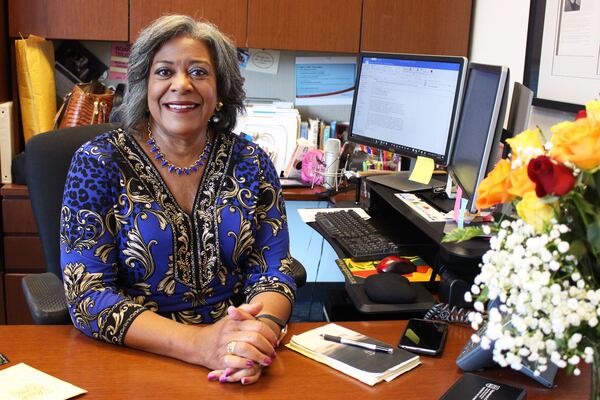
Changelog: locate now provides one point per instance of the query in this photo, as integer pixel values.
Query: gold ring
(231, 347)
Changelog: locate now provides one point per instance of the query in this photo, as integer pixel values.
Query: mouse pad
(364, 269)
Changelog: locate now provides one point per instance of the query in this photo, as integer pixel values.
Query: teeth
(180, 106)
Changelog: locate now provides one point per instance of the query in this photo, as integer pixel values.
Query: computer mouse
(389, 289)
(395, 264)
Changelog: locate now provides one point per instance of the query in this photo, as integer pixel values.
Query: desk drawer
(17, 216)
(23, 254)
(2, 313)
(17, 312)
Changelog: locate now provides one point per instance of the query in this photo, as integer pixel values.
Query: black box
(475, 387)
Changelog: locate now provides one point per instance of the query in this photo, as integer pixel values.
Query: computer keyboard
(356, 236)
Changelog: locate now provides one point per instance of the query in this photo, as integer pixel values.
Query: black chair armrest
(298, 272)
(45, 296)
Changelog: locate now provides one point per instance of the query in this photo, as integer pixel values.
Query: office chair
(47, 160)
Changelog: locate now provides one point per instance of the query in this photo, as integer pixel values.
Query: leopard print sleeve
(98, 307)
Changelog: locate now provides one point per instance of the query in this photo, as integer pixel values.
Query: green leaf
(593, 235)
(578, 248)
(460, 235)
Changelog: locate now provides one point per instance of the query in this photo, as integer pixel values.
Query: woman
(173, 221)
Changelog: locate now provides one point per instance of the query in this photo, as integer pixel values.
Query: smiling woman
(173, 221)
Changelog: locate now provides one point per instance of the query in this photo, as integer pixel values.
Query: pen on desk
(350, 342)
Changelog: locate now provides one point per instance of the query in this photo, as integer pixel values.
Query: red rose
(581, 114)
(549, 177)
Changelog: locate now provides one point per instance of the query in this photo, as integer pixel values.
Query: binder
(7, 142)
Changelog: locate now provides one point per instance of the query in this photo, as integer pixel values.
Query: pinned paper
(119, 59)
(423, 170)
(264, 61)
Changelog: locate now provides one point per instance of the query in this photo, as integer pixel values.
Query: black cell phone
(424, 336)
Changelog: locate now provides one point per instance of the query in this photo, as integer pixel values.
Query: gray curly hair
(230, 91)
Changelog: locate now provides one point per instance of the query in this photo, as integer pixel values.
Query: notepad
(367, 366)
(24, 382)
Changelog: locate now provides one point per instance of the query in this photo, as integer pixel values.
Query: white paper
(264, 61)
(22, 382)
(308, 214)
(274, 129)
(421, 207)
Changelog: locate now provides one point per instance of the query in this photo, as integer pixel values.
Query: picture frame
(553, 66)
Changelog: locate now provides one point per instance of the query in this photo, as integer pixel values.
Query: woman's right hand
(237, 341)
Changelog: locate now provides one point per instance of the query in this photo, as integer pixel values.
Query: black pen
(350, 342)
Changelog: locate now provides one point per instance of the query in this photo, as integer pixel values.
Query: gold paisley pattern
(136, 250)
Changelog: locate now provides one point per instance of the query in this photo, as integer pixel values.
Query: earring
(215, 117)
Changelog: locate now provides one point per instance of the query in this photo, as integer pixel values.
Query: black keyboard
(356, 236)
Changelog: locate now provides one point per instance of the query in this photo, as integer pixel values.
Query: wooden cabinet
(309, 25)
(229, 15)
(23, 252)
(423, 26)
(70, 19)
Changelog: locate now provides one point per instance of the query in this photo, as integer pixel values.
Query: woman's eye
(197, 72)
(163, 72)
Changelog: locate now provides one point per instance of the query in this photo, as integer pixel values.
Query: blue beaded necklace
(172, 168)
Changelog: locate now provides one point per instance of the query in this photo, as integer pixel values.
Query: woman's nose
(181, 82)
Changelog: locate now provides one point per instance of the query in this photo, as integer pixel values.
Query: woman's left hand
(244, 375)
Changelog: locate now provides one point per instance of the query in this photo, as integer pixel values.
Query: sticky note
(457, 203)
(461, 213)
(423, 170)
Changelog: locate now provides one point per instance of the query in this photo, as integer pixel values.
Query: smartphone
(424, 336)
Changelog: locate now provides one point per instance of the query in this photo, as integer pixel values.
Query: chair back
(47, 160)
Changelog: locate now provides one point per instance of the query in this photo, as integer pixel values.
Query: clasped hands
(243, 345)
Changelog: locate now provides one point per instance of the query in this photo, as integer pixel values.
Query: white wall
(499, 36)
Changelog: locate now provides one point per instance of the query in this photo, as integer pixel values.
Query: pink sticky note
(457, 203)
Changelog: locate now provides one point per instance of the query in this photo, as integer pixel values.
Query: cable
(447, 313)
(312, 292)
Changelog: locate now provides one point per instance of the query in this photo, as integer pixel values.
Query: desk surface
(109, 371)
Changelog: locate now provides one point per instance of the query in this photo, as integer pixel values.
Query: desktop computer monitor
(407, 104)
(479, 128)
(520, 109)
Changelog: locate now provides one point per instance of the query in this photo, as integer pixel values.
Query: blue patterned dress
(127, 246)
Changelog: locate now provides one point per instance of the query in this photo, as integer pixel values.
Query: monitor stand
(400, 182)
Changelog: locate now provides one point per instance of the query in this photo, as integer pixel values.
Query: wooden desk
(108, 371)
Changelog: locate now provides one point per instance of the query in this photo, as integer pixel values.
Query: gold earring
(219, 106)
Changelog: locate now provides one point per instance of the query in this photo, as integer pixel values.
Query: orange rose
(494, 188)
(520, 182)
(578, 142)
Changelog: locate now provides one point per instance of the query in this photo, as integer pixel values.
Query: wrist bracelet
(282, 324)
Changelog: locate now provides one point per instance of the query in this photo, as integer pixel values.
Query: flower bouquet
(543, 268)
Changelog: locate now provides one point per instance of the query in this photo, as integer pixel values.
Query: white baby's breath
(535, 316)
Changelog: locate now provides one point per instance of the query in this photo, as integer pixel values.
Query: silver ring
(231, 347)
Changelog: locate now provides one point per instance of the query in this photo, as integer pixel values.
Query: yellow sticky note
(423, 170)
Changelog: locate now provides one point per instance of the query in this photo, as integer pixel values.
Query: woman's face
(182, 87)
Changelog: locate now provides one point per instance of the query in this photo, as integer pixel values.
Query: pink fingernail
(249, 364)
(267, 361)
(223, 379)
(228, 371)
(213, 377)
(245, 381)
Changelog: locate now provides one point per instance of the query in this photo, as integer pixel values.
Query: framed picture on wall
(562, 63)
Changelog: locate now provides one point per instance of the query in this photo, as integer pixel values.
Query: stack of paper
(274, 128)
(367, 366)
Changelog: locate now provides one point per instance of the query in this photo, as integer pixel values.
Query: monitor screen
(479, 128)
(407, 104)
